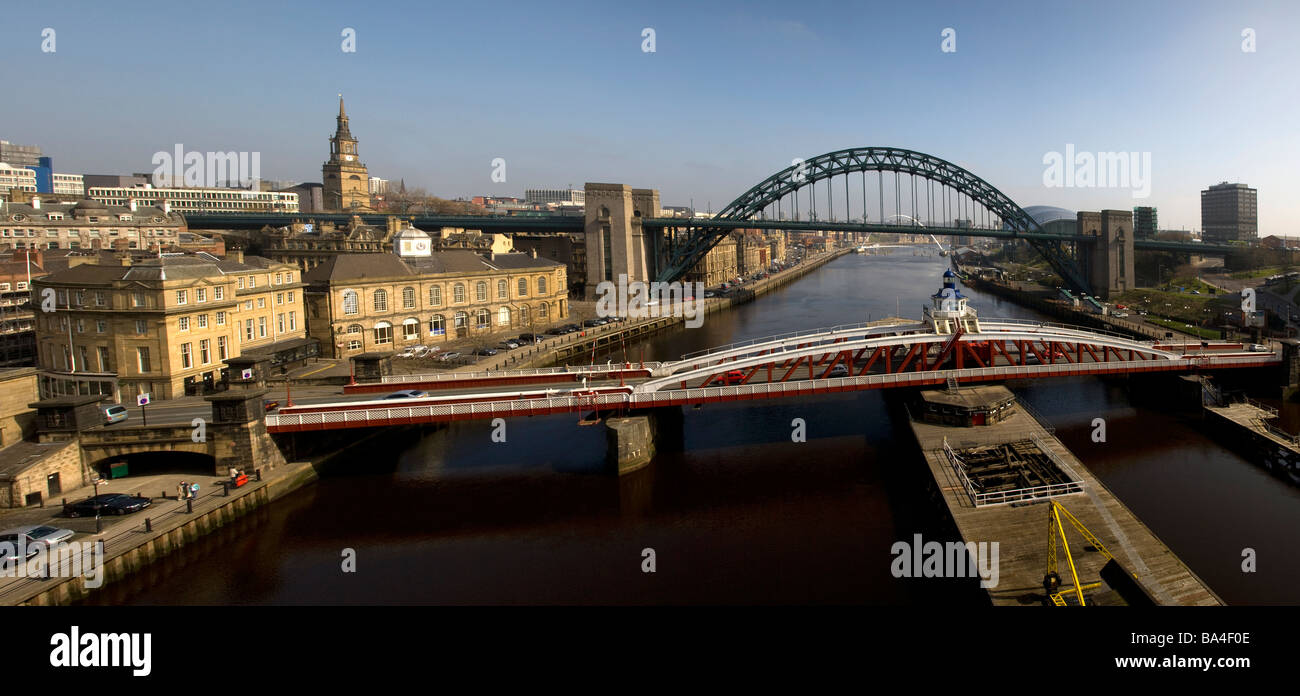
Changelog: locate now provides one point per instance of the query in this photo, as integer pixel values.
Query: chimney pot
(36, 202)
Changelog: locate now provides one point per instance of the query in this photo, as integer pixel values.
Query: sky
(565, 94)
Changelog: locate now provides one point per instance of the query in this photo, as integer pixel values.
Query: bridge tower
(616, 242)
(1108, 261)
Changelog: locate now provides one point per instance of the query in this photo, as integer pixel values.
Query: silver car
(43, 533)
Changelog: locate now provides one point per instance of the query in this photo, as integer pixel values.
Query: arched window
(523, 315)
(458, 293)
(411, 329)
(503, 316)
(480, 291)
(383, 333)
(523, 287)
(541, 285)
(541, 311)
(354, 329)
(438, 325)
(460, 319)
(381, 300)
(503, 290)
(408, 298)
(435, 296)
(349, 302)
(481, 319)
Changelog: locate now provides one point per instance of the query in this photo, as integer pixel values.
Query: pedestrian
(180, 490)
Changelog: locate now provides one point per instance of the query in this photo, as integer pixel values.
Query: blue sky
(733, 92)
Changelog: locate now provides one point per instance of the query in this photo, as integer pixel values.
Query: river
(741, 515)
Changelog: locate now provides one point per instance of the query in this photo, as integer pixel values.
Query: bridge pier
(632, 440)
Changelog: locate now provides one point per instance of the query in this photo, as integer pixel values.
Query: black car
(556, 331)
(570, 328)
(525, 339)
(594, 322)
(485, 351)
(106, 504)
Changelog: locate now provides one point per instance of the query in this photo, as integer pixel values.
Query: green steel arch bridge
(912, 192)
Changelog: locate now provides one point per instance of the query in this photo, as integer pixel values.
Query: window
(201, 295)
(354, 345)
(279, 322)
(99, 298)
(140, 326)
(411, 329)
(293, 321)
(261, 327)
(219, 292)
(241, 282)
(438, 325)
(142, 360)
(480, 291)
(354, 329)
(279, 298)
(541, 285)
(187, 360)
(435, 296)
(248, 304)
(288, 277)
(523, 287)
(203, 321)
(205, 356)
(541, 311)
(383, 333)
(183, 323)
(523, 316)
(221, 318)
(460, 319)
(458, 293)
(22, 285)
(248, 330)
(277, 278)
(481, 319)
(381, 300)
(105, 361)
(289, 297)
(503, 290)
(408, 298)
(221, 347)
(81, 326)
(503, 316)
(182, 296)
(101, 326)
(261, 303)
(252, 282)
(349, 302)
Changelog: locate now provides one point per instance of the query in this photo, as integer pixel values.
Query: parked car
(406, 394)
(527, 338)
(41, 534)
(555, 331)
(407, 352)
(449, 356)
(421, 351)
(508, 344)
(484, 351)
(115, 413)
(1257, 348)
(598, 321)
(106, 504)
(839, 371)
(571, 328)
(709, 293)
(9, 543)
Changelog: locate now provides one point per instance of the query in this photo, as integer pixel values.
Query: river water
(741, 515)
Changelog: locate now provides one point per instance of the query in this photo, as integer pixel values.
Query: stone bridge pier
(633, 440)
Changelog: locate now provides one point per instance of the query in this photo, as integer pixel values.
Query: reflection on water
(741, 515)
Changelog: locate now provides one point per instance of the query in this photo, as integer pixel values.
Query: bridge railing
(986, 498)
(531, 372)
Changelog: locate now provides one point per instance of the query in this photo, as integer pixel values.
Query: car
(732, 377)
(106, 504)
(269, 405)
(1121, 315)
(406, 394)
(508, 344)
(571, 328)
(9, 544)
(40, 533)
(594, 322)
(407, 353)
(449, 355)
(1142, 312)
(709, 293)
(1257, 348)
(839, 371)
(484, 351)
(555, 331)
(421, 351)
(527, 338)
(115, 413)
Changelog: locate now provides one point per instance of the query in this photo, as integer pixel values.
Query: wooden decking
(1255, 419)
(1021, 530)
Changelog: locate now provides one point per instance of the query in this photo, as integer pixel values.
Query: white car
(1258, 348)
(408, 352)
(421, 351)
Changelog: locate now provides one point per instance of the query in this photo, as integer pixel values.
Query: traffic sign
(142, 399)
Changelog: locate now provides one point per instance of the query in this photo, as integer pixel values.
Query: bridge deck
(1022, 530)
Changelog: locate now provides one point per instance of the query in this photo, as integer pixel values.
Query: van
(114, 414)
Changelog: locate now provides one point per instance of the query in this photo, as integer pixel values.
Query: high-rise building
(378, 187)
(19, 155)
(347, 185)
(1229, 212)
(570, 196)
(1144, 222)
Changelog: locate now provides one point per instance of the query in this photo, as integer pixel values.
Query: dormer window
(54, 216)
(124, 218)
(94, 218)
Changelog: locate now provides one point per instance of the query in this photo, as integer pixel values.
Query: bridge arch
(691, 247)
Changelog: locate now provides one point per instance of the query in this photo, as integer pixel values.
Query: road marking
(309, 374)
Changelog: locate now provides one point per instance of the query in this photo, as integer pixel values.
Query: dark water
(742, 514)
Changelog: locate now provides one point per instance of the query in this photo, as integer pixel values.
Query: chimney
(130, 202)
(125, 259)
(533, 251)
(239, 256)
(36, 202)
(166, 206)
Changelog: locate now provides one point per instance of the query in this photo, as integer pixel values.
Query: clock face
(347, 157)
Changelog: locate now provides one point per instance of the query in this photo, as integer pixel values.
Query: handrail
(529, 372)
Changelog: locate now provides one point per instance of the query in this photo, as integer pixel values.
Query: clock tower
(344, 178)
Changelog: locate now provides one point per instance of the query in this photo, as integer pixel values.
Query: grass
(1258, 273)
(1180, 326)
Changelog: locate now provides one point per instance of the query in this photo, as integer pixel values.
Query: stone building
(88, 224)
(720, 265)
(309, 244)
(360, 303)
(165, 325)
(346, 184)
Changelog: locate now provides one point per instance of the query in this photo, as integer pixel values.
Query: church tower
(346, 183)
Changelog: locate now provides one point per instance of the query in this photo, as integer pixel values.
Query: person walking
(181, 490)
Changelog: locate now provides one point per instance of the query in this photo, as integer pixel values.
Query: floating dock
(1017, 518)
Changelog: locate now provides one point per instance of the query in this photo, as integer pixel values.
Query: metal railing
(982, 499)
(1040, 418)
(531, 372)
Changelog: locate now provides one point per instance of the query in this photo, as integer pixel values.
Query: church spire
(342, 132)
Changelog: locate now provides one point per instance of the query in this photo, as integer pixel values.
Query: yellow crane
(1052, 580)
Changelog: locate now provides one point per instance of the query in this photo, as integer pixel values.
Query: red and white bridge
(880, 355)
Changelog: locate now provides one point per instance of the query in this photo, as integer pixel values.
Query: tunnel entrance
(153, 463)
